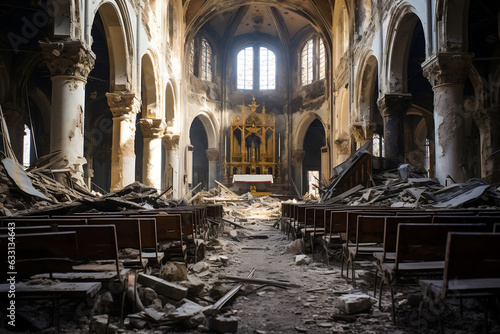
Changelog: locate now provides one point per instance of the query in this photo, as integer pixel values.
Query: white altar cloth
(253, 178)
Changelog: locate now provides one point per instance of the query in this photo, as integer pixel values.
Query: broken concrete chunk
(169, 289)
(195, 321)
(224, 324)
(100, 323)
(200, 266)
(194, 285)
(147, 295)
(187, 310)
(153, 314)
(295, 247)
(352, 304)
(173, 271)
(302, 260)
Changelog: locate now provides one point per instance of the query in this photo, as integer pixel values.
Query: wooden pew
(128, 233)
(471, 270)
(420, 252)
(39, 253)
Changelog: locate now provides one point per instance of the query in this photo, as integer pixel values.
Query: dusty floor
(310, 308)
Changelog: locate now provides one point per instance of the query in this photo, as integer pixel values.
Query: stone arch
(149, 87)
(366, 86)
(451, 19)
(170, 104)
(301, 129)
(118, 35)
(341, 31)
(211, 126)
(397, 49)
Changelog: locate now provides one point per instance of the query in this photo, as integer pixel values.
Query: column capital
(123, 103)
(152, 127)
(394, 103)
(363, 132)
(71, 58)
(447, 68)
(342, 145)
(171, 141)
(298, 156)
(212, 154)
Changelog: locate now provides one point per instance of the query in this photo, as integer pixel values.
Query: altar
(254, 149)
(256, 184)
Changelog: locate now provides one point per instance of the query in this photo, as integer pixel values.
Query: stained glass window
(267, 69)
(322, 60)
(307, 62)
(206, 61)
(191, 57)
(245, 69)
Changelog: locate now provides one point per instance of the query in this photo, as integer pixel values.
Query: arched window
(267, 69)
(264, 61)
(245, 68)
(313, 61)
(322, 60)
(191, 57)
(206, 60)
(307, 62)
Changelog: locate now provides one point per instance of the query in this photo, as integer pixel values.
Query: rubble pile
(35, 191)
(402, 188)
(245, 206)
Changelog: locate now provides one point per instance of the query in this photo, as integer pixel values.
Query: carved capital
(298, 156)
(447, 68)
(71, 58)
(152, 127)
(212, 154)
(394, 104)
(342, 145)
(363, 132)
(123, 103)
(171, 142)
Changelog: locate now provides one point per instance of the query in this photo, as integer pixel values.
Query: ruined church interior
(343, 148)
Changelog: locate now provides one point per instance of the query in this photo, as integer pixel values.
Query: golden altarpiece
(252, 144)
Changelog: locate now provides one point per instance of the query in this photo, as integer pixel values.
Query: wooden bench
(128, 233)
(38, 253)
(420, 252)
(471, 270)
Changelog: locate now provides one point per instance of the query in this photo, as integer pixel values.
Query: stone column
(69, 63)
(213, 157)
(152, 130)
(297, 159)
(447, 73)
(393, 108)
(171, 143)
(124, 107)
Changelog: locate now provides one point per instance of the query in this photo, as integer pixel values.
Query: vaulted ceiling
(279, 18)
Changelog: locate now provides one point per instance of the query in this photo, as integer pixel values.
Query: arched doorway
(199, 141)
(311, 167)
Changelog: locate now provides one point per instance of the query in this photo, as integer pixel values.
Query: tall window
(313, 61)
(245, 68)
(267, 69)
(322, 60)
(307, 63)
(206, 61)
(265, 61)
(191, 57)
